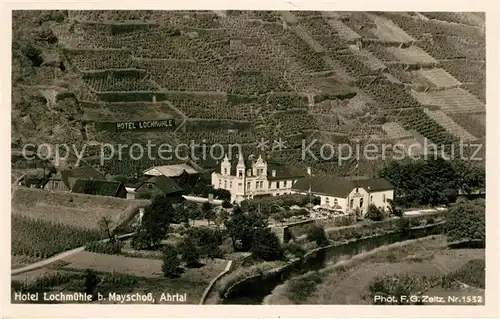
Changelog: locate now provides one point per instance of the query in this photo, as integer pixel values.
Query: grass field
(347, 282)
(78, 210)
(119, 274)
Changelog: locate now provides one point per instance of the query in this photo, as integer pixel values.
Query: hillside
(236, 77)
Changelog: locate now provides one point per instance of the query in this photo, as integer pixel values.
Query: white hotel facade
(247, 178)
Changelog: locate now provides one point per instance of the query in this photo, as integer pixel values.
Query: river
(255, 290)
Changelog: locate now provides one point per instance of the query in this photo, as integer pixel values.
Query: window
(248, 185)
(361, 202)
(259, 171)
(240, 186)
(261, 184)
(371, 198)
(284, 184)
(327, 200)
(335, 202)
(56, 184)
(383, 198)
(277, 184)
(269, 185)
(356, 190)
(225, 184)
(351, 204)
(230, 184)
(225, 170)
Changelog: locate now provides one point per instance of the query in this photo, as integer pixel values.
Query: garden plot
(387, 31)
(449, 125)
(439, 77)
(411, 55)
(454, 100)
(141, 267)
(395, 131)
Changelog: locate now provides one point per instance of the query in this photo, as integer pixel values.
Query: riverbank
(253, 288)
(348, 281)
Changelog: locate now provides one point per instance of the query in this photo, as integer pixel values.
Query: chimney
(273, 173)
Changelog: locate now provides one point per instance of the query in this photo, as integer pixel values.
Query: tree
(393, 209)
(465, 220)
(221, 217)
(206, 240)
(193, 210)
(226, 204)
(154, 224)
(423, 182)
(91, 281)
(189, 251)
(105, 226)
(207, 212)
(241, 227)
(469, 177)
(279, 217)
(318, 235)
(374, 213)
(266, 246)
(170, 261)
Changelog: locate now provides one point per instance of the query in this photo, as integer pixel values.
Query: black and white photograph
(239, 157)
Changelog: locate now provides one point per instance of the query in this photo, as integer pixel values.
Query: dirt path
(55, 258)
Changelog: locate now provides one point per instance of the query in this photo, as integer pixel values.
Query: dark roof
(282, 172)
(375, 185)
(327, 185)
(69, 177)
(166, 184)
(96, 187)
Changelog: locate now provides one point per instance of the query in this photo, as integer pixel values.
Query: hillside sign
(145, 125)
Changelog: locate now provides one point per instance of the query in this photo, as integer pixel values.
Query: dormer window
(240, 174)
(225, 171)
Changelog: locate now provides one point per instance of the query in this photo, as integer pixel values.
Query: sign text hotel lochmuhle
(145, 125)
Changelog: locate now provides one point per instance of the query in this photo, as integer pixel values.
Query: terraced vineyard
(237, 77)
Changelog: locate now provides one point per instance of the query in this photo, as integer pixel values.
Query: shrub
(374, 213)
(398, 286)
(109, 247)
(295, 249)
(301, 288)
(266, 246)
(189, 251)
(206, 240)
(318, 235)
(466, 220)
(170, 261)
(472, 273)
(226, 204)
(117, 279)
(91, 281)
